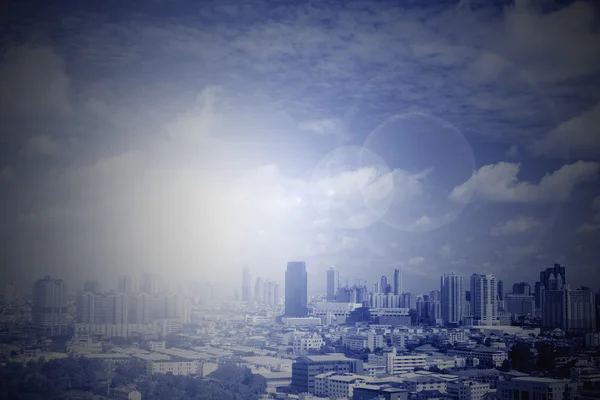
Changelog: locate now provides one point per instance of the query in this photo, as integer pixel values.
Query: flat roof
(539, 379)
(328, 357)
(266, 360)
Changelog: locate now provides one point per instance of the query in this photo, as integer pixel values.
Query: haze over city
(192, 139)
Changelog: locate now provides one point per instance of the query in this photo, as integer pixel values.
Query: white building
(484, 300)
(397, 364)
(185, 367)
(302, 344)
(467, 389)
(333, 313)
(370, 341)
(334, 385)
(485, 355)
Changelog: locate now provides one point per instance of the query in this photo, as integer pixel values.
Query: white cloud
(579, 135)
(516, 226)
(513, 151)
(33, 83)
(326, 127)
(41, 145)
(446, 250)
(416, 261)
(500, 183)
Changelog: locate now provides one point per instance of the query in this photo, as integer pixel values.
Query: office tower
(50, 306)
(383, 286)
(108, 308)
(538, 295)
(484, 301)
(434, 306)
(125, 284)
(139, 308)
(406, 300)
(376, 288)
(10, 292)
(572, 311)
(246, 282)
(333, 282)
(500, 290)
(275, 294)
(397, 282)
(521, 288)
(452, 298)
(268, 293)
(259, 291)
(553, 278)
(84, 308)
(296, 288)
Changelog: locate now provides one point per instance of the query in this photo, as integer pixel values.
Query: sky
(189, 139)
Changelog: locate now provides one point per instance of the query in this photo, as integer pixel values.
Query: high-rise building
(268, 293)
(333, 282)
(521, 288)
(500, 290)
(434, 307)
(296, 289)
(383, 287)
(397, 281)
(484, 301)
(572, 311)
(275, 294)
(452, 298)
(553, 278)
(246, 285)
(49, 311)
(125, 284)
(259, 291)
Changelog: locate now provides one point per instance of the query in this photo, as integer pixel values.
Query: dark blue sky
(182, 138)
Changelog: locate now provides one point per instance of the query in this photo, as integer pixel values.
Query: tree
(520, 354)
(506, 366)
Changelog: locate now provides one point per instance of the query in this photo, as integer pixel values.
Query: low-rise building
(398, 363)
(536, 388)
(306, 368)
(334, 385)
(302, 344)
(485, 355)
(467, 389)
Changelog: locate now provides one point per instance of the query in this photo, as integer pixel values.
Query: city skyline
(385, 137)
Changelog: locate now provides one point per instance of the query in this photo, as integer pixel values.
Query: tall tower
(484, 301)
(50, 306)
(259, 290)
(246, 289)
(397, 282)
(296, 289)
(384, 285)
(333, 282)
(452, 297)
(500, 290)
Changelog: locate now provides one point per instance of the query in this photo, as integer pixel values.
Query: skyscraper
(397, 282)
(384, 285)
(296, 289)
(50, 306)
(521, 288)
(500, 290)
(452, 297)
(333, 281)
(246, 282)
(484, 301)
(259, 290)
(275, 294)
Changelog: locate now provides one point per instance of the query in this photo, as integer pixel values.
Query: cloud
(33, 83)
(513, 151)
(499, 183)
(578, 136)
(416, 261)
(553, 46)
(41, 145)
(326, 127)
(446, 250)
(593, 225)
(516, 226)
